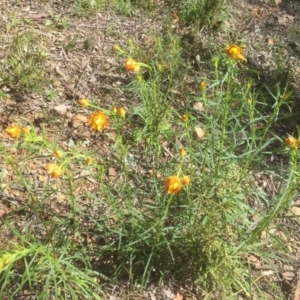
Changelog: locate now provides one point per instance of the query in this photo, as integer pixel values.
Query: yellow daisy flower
(172, 185)
(97, 120)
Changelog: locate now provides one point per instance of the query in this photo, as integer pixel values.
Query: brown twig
(296, 295)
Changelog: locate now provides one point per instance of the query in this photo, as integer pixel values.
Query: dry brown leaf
(252, 259)
(152, 296)
(61, 109)
(175, 16)
(285, 19)
(60, 198)
(81, 118)
(179, 296)
(269, 41)
(43, 178)
(3, 213)
(295, 213)
(259, 13)
(168, 294)
(76, 124)
(91, 179)
(282, 20)
(62, 74)
(296, 294)
(283, 236)
(38, 16)
(56, 83)
(263, 235)
(112, 172)
(198, 106)
(288, 275)
(4, 173)
(198, 133)
(84, 173)
(267, 273)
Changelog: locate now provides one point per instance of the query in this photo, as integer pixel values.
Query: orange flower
(116, 48)
(172, 185)
(114, 110)
(234, 52)
(185, 180)
(57, 154)
(182, 152)
(202, 85)
(83, 102)
(139, 78)
(291, 142)
(97, 120)
(131, 65)
(121, 112)
(53, 170)
(25, 129)
(89, 160)
(285, 96)
(13, 131)
(184, 118)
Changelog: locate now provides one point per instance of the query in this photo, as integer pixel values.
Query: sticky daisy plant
(133, 66)
(185, 180)
(182, 152)
(61, 161)
(201, 85)
(53, 170)
(25, 134)
(184, 118)
(174, 184)
(117, 49)
(13, 131)
(291, 142)
(89, 160)
(83, 102)
(98, 120)
(119, 111)
(234, 52)
(57, 154)
(130, 64)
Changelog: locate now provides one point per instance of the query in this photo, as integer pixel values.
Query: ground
(79, 61)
